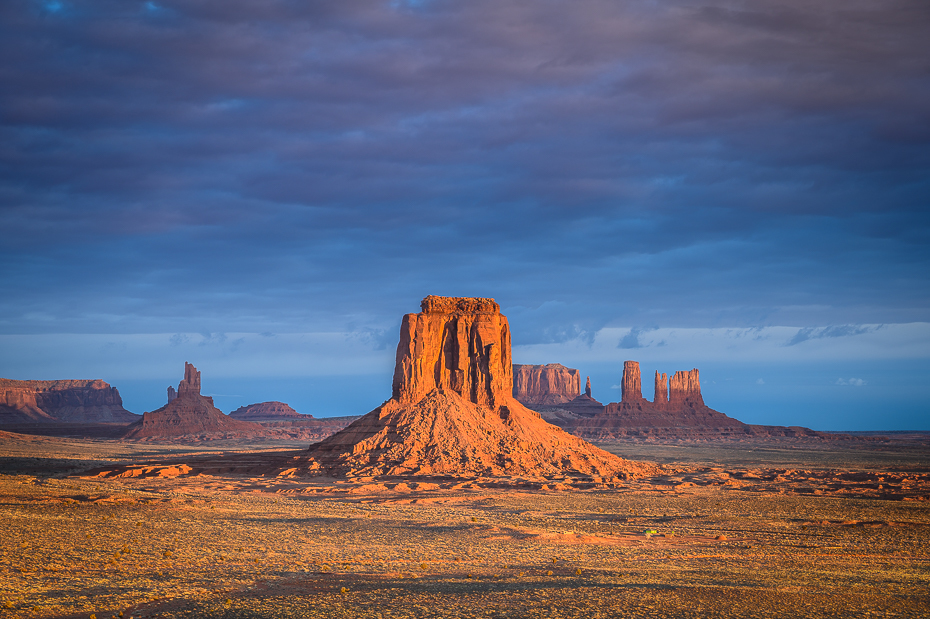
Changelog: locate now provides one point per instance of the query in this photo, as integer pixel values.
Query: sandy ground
(727, 530)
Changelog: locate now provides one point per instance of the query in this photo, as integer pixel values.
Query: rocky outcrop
(454, 344)
(545, 385)
(56, 401)
(552, 390)
(685, 389)
(677, 411)
(268, 411)
(190, 385)
(452, 412)
(190, 415)
(172, 394)
(631, 386)
(661, 393)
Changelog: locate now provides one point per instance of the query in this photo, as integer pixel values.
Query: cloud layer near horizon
(239, 166)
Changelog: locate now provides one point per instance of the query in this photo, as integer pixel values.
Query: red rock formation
(685, 387)
(677, 411)
(453, 413)
(631, 386)
(661, 395)
(51, 401)
(456, 344)
(545, 385)
(268, 411)
(587, 387)
(18, 403)
(172, 394)
(191, 382)
(190, 415)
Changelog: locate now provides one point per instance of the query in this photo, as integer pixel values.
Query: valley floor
(728, 531)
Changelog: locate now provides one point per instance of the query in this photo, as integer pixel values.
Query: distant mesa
(452, 412)
(553, 388)
(61, 401)
(268, 411)
(190, 414)
(545, 385)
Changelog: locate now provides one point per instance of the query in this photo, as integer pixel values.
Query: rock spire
(631, 385)
(190, 415)
(661, 393)
(190, 385)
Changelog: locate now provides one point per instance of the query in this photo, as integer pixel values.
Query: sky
(263, 189)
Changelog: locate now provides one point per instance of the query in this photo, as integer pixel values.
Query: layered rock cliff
(190, 415)
(545, 385)
(452, 412)
(455, 344)
(51, 401)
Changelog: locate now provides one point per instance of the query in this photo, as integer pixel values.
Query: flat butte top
(433, 304)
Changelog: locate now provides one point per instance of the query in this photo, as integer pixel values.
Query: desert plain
(102, 528)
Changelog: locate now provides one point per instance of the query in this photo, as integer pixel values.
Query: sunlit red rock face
(545, 385)
(51, 401)
(190, 415)
(453, 412)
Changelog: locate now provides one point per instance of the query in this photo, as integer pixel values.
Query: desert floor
(763, 530)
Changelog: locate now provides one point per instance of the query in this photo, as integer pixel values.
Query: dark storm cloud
(223, 166)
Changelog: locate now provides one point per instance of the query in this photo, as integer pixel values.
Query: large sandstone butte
(190, 415)
(452, 412)
(676, 411)
(54, 401)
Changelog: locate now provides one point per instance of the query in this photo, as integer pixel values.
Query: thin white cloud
(852, 382)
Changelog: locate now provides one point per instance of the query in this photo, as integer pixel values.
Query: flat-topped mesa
(70, 401)
(456, 344)
(631, 386)
(661, 394)
(546, 385)
(685, 388)
(191, 383)
(172, 394)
